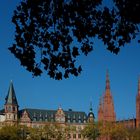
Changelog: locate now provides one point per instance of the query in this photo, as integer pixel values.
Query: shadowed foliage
(51, 35)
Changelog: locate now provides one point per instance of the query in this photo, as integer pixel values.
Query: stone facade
(38, 118)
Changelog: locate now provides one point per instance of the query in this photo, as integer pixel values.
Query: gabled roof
(11, 96)
(49, 115)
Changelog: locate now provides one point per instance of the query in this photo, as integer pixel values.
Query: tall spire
(108, 105)
(11, 97)
(139, 86)
(90, 109)
(107, 81)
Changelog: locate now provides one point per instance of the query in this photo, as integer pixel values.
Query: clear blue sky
(76, 93)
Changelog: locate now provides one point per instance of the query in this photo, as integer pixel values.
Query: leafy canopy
(51, 35)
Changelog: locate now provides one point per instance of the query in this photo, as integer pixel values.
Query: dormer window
(40, 117)
(84, 117)
(34, 117)
(52, 116)
(68, 120)
(79, 121)
(74, 116)
(85, 121)
(46, 117)
(74, 121)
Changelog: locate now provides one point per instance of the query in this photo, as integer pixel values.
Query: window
(74, 121)
(74, 136)
(79, 128)
(14, 117)
(84, 121)
(9, 108)
(69, 136)
(46, 117)
(14, 108)
(34, 118)
(40, 119)
(79, 136)
(68, 120)
(79, 121)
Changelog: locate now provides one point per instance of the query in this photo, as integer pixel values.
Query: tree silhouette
(51, 35)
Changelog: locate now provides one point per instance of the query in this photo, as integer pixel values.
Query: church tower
(107, 105)
(11, 105)
(138, 106)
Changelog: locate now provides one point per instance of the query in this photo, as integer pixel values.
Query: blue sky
(76, 93)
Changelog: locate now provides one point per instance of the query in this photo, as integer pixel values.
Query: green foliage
(51, 35)
(119, 132)
(9, 133)
(91, 131)
(50, 132)
(134, 134)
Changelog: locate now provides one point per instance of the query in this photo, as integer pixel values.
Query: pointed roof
(49, 115)
(108, 104)
(139, 86)
(11, 96)
(107, 81)
(91, 111)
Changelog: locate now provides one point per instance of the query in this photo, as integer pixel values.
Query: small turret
(11, 105)
(91, 114)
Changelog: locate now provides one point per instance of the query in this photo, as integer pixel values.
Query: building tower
(91, 114)
(138, 106)
(107, 105)
(11, 105)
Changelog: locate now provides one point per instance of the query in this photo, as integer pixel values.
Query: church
(37, 118)
(106, 111)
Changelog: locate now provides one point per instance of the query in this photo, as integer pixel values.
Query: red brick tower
(100, 111)
(108, 105)
(138, 106)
